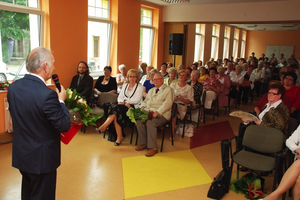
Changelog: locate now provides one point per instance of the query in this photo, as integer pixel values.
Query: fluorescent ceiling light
(176, 1)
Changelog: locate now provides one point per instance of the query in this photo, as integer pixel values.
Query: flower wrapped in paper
(138, 114)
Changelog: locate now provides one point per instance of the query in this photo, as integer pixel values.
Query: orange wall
(257, 41)
(68, 33)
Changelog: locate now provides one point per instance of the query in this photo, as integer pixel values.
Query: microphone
(56, 81)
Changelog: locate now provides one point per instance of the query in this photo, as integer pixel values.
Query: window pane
(146, 43)
(146, 17)
(28, 3)
(99, 37)
(20, 33)
(98, 8)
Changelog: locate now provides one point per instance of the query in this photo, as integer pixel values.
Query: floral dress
(210, 95)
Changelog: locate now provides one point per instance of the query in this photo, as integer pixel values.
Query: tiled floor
(92, 168)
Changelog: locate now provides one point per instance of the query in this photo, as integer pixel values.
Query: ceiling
(253, 27)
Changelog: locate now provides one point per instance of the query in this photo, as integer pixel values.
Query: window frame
(199, 50)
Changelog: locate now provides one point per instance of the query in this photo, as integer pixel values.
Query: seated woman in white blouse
(184, 95)
(131, 95)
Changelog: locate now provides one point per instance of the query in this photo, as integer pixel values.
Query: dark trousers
(257, 87)
(38, 186)
(245, 93)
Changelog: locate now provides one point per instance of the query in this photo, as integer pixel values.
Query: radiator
(8, 121)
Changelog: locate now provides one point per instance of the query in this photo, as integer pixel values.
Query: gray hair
(196, 72)
(37, 58)
(122, 66)
(154, 70)
(159, 74)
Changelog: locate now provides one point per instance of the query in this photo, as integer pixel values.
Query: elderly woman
(147, 76)
(237, 79)
(197, 87)
(225, 85)
(203, 74)
(121, 77)
(172, 76)
(248, 84)
(163, 70)
(148, 84)
(259, 77)
(130, 96)
(212, 87)
(106, 83)
(184, 95)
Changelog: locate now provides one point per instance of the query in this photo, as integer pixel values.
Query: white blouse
(134, 96)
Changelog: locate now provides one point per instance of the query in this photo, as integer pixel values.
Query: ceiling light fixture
(176, 1)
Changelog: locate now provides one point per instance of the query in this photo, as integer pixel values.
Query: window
(226, 42)
(235, 43)
(98, 8)
(20, 33)
(215, 41)
(243, 45)
(146, 36)
(99, 35)
(199, 42)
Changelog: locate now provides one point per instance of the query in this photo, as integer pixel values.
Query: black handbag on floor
(221, 182)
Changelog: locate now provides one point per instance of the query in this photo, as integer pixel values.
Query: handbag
(218, 186)
(188, 130)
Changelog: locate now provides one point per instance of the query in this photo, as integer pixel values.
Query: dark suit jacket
(38, 119)
(85, 86)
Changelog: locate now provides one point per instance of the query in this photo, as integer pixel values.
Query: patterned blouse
(215, 82)
(198, 89)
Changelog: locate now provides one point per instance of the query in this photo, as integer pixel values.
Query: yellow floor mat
(163, 172)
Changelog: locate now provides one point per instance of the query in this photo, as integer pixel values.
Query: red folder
(66, 137)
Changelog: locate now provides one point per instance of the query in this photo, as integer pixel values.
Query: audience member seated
(148, 84)
(172, 76)
(212, 87)
(292, 175)
(147, 76)
(275, 113)
(229, 70)
(236, 81)
(83, 82)
(224, 90)
(183, 95)
(163, 70)
(203, 74)
(262, 57)
(259, 77)
(281, 60)
(169, 65)
(106, 83)
(259, 106)
(142, 70)
(194, 66)
(121, 77)
(290, 178)
(197, 87)
(292, 60)
(130, 96)
(247, 85)
(200, 64)
(159, 100)
(293, 92)
(272, 59)
(275, 72)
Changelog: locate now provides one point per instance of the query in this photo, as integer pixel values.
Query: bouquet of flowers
(4, 85)
(79, 109)
(138, 114)
(250, 185)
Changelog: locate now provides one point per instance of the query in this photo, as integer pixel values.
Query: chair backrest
(292, 126)
(263, 139)
(106, 97)
(203, 97)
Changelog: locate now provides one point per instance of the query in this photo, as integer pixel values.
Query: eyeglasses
(156, 79)
(132, 76)
(272, 93)
(289, 79)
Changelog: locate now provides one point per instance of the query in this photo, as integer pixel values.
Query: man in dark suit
(83, 82)
(39, 115)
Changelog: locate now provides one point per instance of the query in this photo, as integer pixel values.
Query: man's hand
(155, 114)
(62, 94)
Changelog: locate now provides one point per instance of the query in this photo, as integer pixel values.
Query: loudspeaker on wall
(175, 43)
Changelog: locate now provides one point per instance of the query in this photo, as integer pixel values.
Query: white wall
(276, 11)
